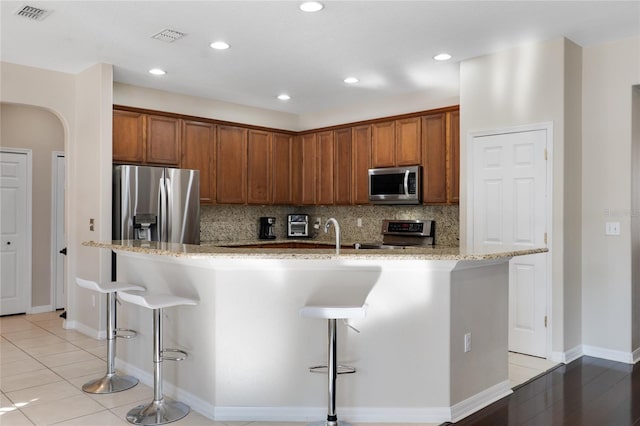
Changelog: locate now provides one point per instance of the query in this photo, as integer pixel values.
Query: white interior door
(509, 209)
(15, 259)
(58, 227)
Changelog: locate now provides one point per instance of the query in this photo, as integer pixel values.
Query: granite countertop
(213, 249)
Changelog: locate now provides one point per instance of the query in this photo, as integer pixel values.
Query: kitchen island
(250, 350)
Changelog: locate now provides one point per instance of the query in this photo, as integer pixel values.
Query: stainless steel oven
(395, 185)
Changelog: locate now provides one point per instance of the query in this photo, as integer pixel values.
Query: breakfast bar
(249, 350)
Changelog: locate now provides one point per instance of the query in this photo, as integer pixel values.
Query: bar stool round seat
(159, 411)
(111, 382)
(332, 314)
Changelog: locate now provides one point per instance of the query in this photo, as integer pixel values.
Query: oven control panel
(417, 228)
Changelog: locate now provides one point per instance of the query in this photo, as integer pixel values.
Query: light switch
(612, 228)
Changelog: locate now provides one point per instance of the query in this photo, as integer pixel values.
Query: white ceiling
(276, 48)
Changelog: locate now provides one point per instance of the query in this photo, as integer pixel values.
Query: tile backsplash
(237, 223)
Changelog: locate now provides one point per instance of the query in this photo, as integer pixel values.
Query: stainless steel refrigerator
(156, 204)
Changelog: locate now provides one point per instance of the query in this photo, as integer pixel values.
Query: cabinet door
(453, 155)
(296, 171)
(231, 165)
(361, 160)
(198, 152)
(434, 184)
(325, 158)
(259, 167)
(128, 137)
(408, 142)
(163, 140)
(281, 169)
(342, 172)
(308, 168)
(383, 144)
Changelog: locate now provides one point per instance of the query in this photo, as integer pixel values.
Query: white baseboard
(610, 354)
(307, 414)
(636, 355)
(480, 400)
(40, 309)
(91, 332)
(567, 356)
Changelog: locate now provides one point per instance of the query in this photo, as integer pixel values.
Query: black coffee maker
(266, 228)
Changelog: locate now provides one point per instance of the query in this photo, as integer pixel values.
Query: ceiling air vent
(168, 35)
(33, 13)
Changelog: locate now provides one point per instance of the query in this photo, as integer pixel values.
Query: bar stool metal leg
(158, 411)
(332, 375)
(111, 382)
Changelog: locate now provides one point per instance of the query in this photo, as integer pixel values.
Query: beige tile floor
(43, 367)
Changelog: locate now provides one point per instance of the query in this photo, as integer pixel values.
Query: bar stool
(111, 382)
(332, 314)
(158, 411)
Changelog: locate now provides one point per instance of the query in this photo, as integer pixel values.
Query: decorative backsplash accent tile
(236, 223)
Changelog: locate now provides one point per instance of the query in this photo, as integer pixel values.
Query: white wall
(142, 97)
(610, 71)
(526, 85)
(83, 104)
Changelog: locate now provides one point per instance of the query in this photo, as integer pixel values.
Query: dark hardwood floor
(588, 391)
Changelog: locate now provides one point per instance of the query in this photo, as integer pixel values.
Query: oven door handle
(406, 182)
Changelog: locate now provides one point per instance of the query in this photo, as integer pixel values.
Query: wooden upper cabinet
(325, 166)
(308, 166)
(259, 167)
(342, 173)
(128, 136)
(441, 158)
(454, 156)
(163, 140)
(361, 161)
(296, 170)
(282, 177)
(408, 141)
(198, 152)
(434, 173)
(231, 165)
(383, 143)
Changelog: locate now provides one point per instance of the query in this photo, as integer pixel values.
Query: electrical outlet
(467, 342)
(91, 223)
(359, 222)
(93, 301)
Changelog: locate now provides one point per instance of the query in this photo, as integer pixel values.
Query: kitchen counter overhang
(213, 250)
(249, 349)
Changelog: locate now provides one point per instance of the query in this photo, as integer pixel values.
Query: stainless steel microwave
(395, 185)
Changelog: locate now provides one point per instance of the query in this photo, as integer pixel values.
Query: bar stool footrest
(342, 369)
(125, 333)
(181, 355)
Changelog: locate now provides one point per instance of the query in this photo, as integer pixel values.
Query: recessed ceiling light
(157, 71)
(311, 6)
(442, 57)
(351, 80)
(219, 45)
(284, 97)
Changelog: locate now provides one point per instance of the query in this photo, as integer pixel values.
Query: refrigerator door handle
(168, 210)
(162, 209)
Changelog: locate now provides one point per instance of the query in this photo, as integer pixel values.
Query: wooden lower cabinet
(231, 165)
(198, 152)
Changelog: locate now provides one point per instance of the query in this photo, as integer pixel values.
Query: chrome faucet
(337, 228)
